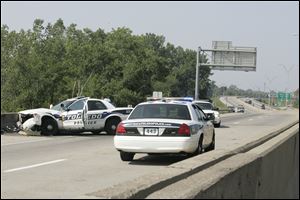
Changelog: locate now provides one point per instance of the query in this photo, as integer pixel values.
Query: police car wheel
(125, 156)
(212, 145)
(111, 125)
(49, 127)
(217, 125)
(199, 149)
(96, 132)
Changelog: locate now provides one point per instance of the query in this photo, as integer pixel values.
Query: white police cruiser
(209, 110)
(164, 127)
(74, 115)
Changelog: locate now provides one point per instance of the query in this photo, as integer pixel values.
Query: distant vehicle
(231, 108)
(240, 108)
(249, 101)
(210, 111)
(74, 115)
(164, 127)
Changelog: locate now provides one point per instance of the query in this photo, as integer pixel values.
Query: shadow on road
(222, 126)
(158, 159)
(86, 134)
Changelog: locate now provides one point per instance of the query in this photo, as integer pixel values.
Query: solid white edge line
(32, 166)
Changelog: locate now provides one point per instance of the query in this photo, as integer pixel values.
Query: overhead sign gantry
(224, 56)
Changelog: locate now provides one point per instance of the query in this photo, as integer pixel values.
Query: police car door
(94, 116)
(206, 127)
(73, 116)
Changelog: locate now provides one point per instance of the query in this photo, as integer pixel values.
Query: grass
(217, 103)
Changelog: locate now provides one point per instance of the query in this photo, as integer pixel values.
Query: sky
(271, 27)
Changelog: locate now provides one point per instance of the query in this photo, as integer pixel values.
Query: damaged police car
(74, 115)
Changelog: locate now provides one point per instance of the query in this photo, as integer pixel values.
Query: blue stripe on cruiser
(105, 114)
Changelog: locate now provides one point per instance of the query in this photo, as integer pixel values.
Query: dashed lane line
(33, 166)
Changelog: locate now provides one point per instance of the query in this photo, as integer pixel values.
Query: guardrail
(9, 122)
(149, 186)
(270, 171)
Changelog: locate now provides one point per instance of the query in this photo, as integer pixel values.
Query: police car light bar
(189, 99)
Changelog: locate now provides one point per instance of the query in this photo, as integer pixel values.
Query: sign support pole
(197, 74)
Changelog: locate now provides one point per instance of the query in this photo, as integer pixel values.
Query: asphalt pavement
(71, 166)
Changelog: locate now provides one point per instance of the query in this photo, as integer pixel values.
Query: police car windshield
(205, 106)
(66, 104)
(161, 111)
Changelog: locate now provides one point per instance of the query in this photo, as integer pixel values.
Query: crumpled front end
(29, 124)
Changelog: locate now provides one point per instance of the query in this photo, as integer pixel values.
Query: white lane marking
(24, 142)
(250, 119)
(32, 166)
(236, 122)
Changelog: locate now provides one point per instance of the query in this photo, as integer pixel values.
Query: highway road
(72, 166)
(253, 108)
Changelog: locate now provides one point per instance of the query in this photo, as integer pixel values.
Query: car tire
(111, 125)
(199, 149)
(49, 127)
(217, 125)
(125, 156)
(96, 132)
(212, 145)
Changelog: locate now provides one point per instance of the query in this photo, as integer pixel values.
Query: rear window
(162, 111)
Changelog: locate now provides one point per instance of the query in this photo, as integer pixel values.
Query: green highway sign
(282, 96)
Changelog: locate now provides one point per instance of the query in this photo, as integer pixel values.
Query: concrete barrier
(9, 120)
(155, 185)
(268, 171)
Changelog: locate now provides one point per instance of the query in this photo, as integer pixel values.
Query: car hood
(39, 111)
(208, 111)
(211, 112)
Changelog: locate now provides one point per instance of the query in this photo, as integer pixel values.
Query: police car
(164, 127)
(209, 110)
(74, 115)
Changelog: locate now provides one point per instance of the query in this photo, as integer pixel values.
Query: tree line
(233, 90)
(51, 62)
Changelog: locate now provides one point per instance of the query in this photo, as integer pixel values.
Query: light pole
(197, 73)
(258, 92)
(264, 89)
(287, 70)
(270, 81)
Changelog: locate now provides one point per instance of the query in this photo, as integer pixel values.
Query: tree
(50, 63)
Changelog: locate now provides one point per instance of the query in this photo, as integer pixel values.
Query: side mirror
(62, 106)
(209, 117)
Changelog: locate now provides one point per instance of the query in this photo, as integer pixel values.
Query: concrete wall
(270, 170)
(274, 173)
(8, 119)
